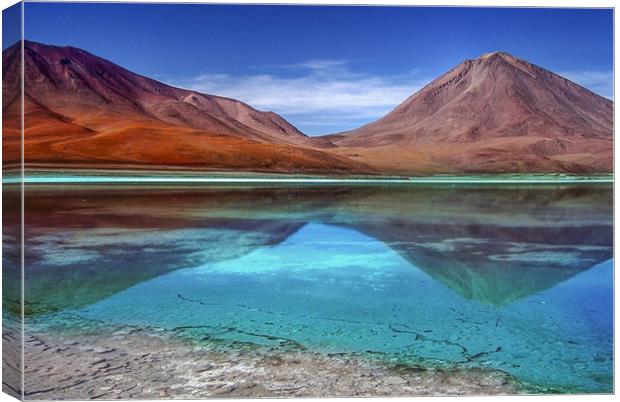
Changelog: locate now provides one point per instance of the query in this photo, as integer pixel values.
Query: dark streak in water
(243, 306)
(421, 337)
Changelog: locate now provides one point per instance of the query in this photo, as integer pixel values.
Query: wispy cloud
(317, 95)
(601, 82)
(326, 96)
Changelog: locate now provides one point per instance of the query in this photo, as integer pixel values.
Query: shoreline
(132, 362)
(159, 177)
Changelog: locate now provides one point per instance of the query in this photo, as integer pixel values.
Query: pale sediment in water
(146, 363)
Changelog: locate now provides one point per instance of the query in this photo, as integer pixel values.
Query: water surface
(511, 278)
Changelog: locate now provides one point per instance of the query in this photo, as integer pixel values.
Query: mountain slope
(60, 77)
(493, 114)
(497, 113)
(83, 110)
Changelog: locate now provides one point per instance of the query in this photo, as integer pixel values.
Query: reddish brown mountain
(497, 113)
(493, 114)
(83, 110)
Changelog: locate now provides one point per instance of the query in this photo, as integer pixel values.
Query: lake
(509, 278)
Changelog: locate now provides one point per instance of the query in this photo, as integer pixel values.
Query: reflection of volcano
(74, 259)
(498, 246)
(491, 245)
(498, 266)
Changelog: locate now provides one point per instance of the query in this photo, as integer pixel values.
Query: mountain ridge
(83, 109)
(128, 89)
(515, 105)
(493, 114)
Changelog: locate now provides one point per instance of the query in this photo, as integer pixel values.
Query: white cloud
(319, 93)
(601, 82)
(326, 96)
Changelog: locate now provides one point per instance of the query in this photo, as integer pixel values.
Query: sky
(324, 68)
(11, 25)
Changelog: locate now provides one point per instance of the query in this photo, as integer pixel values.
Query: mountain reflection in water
(491, 245)
(470, 253)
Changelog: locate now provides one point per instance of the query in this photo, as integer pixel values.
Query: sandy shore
(11, 356)
(137, 363)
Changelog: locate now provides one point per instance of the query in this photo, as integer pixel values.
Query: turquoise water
(102, 176)
(515, 279)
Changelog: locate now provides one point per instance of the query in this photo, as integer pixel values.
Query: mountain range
(496, 113)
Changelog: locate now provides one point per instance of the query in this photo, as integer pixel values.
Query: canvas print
(281, 200)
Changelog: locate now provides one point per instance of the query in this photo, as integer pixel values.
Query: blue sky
(325, 69)
(11, 25)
